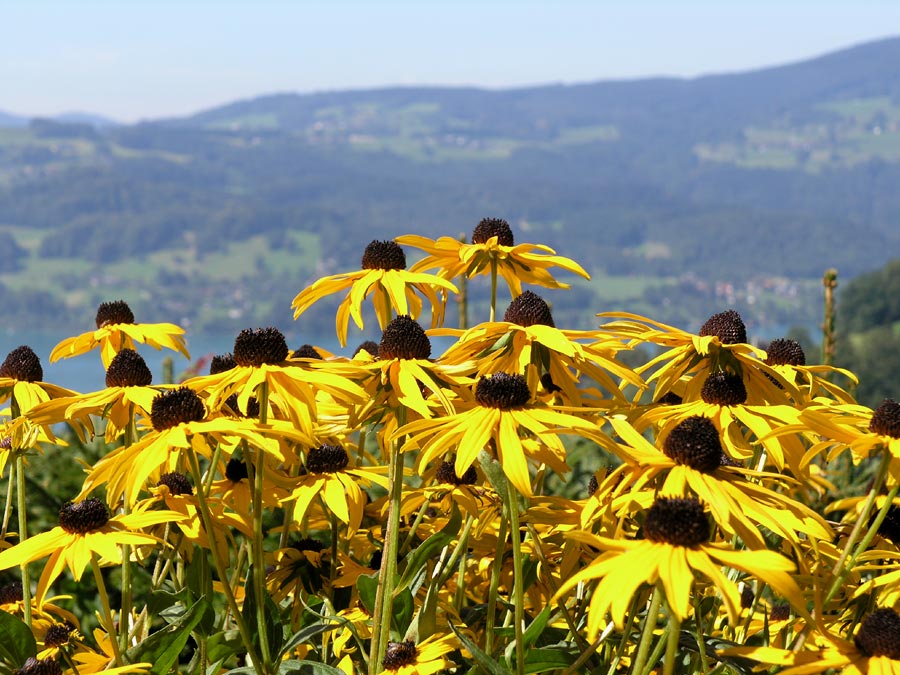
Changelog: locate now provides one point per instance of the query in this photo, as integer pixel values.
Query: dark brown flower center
(549, 385)
(263, 345)
(403, 338)
(785, 352)
(529, 309)
(593, 485)
(308, 544)
(83, 517)
(252, 406)
(446, 473)
(383, 255)
(879, 634)
(236, 470)
(502, 390)
(220, 363)
(368, 346)
(728, 326)
(886, 419)
(128, 369)
(399, 654)
(493, 227)
(780, 611)
(22, 364)
(174, 407)
(58, 634)
(33, 666)
(677, 521)
(890, 526)
(11, 592)
(695, 442)
(327, 459)
(724, 389)
(670, 398)
(112, 313)
(177, 483)
(306, 352)
(747, 596)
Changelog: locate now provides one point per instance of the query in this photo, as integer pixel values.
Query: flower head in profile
(424, 658)
(21, 378)
(676, 547)
(493, 245)
(384, 277)
(116, 330)
(85, 529)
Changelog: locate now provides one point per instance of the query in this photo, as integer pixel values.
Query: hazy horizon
(140, 60)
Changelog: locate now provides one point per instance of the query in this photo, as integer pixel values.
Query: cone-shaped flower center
(326, 459)
(446, 473)
(403, 338)
(128, 369)
(728, 326)
(502, 390)
(369, 346)
(879, 634)
(308, 544)
(306, 352)
(22, 364)
(724, 389)
(383, 255)
(785, 352)
(263, 345)
(11, 592)
(780, 611)
(695, 442)
(677, 521)
(593, 485)
(890, 526)
(111, 313)
(670, 398)
(399, 654)
(886, 419)
(83, 517)
(174, 407)
(252, 406)
(33, 666)
(177, 483)
(58, 634)
(236, 470)
(493, 227)
(220, 363)
(529, 309)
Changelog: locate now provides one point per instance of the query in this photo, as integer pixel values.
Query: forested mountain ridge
(681, 197)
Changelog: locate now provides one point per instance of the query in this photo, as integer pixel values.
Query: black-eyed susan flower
(329, 475)
(492, 248)
(103, 658)
(85, 530)
(676, 545)
(788, 358)
(383, 276)
(499, 417)
(116, 330)
(21, 376)
(424, 658)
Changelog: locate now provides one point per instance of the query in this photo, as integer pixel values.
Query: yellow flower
(675, 548)
(383, 276)
(21, 378)
(425, 658)
(85, 529)
(102, 660)
(493, 246)
(116, 330)
(501, 413)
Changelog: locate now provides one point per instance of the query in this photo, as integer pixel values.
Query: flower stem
(125, 613)
(387, 576)
(672, 635)
(23, 534)
(512, 507)
(493, 288)
(496, 568)
(257, 553)
(647, 634)
(107, 614)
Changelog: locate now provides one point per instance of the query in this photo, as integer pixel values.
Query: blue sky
(132, 59)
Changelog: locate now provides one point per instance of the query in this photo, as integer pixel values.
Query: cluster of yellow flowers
(395, 512)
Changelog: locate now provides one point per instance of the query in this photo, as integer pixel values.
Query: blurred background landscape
(681, 195)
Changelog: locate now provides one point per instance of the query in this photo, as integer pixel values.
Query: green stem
(518, 576)
(496, 568)
(493, 288)
(257, 553)
(647, 634)
(672, 634)
(701, 639)
(623, 642)
(127, 600)
(107, 615)
(387, 576)
(10, 499)
(221, 567)
(23, 534)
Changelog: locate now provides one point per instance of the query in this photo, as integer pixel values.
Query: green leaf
(429, 548)
(368, 587)
(220, 647)
(402, 611)
(16, 640)
(537, 626)
(296, 667)
(162, 647)
(543, 659)
(308, 633)
(482, 659)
